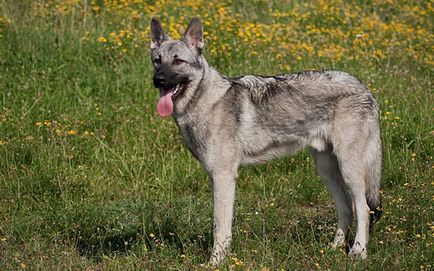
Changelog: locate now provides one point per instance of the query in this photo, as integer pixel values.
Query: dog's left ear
(193, 35)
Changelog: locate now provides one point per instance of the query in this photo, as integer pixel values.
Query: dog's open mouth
(167, 97)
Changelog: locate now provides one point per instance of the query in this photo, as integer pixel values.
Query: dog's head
(177, 63)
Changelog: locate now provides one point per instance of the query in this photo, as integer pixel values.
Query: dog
(230, 122)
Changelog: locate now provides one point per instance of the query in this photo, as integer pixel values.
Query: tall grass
(92, 179)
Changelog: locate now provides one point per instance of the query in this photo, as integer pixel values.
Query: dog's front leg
(223, 184)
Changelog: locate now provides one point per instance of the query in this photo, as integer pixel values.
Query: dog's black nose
(159, 81)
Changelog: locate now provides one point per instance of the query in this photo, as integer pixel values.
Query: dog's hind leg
(358, 149)
(353, 176)
(351, 154)
(328, 169)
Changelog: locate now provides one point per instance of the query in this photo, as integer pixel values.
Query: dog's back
(280, 114)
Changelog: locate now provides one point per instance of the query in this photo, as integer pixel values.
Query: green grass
(92, 179)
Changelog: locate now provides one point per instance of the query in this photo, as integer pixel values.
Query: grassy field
(92, 179)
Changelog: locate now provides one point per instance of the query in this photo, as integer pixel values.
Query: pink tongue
(165, 105)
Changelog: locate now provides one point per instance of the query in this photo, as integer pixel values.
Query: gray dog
(229, 122)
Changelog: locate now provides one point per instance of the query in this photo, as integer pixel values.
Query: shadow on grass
(128, 229)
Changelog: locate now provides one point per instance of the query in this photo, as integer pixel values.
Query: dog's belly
(270, 151)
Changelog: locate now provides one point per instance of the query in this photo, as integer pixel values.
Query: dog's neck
(207, 92)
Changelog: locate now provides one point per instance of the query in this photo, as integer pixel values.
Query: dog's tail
(373, 180)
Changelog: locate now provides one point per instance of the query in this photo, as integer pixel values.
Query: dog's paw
(339, 240)
(216, 259)
(214, 262)
(358, 252)
(208, 266)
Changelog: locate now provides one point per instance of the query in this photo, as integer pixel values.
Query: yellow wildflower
(102, 39)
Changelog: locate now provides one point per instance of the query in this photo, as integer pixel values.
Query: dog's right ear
(157, 34)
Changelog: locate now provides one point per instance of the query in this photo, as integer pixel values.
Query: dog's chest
(195, 136)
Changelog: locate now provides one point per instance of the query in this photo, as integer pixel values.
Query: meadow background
(92, 179)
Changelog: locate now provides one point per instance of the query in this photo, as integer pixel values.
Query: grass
(92, 179)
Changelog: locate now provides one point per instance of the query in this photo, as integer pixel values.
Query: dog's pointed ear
(193, 35)
(157, 34)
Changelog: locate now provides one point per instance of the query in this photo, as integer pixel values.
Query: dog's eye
(157, 61)
(178, 61)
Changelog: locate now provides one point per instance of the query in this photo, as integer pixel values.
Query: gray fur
(230, 122)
